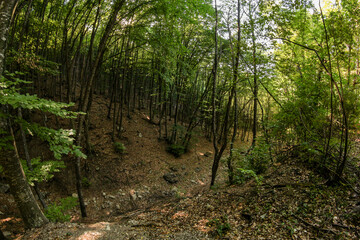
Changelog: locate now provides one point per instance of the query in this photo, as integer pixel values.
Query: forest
(179, 119)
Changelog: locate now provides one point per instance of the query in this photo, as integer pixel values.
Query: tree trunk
(2, 237)
(216, 149)
(20, 189)
(29, 209)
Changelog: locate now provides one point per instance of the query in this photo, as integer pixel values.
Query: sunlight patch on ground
(180, 214)
(90, 235)
(202, 226)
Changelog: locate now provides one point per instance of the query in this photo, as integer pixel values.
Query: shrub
(85, 182)
(259, 158)
(56, 212)
(176, 150)
(221, 225)
(119, 147)
(42, 171)
(242, 175)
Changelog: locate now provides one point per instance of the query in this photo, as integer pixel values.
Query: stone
(74, 195)
(174, 190)
(133, 222)
(133, 194)
(97, 168)
(104, 194)
(117, 206)
(111, 196)
(171, 178)
(4, 188)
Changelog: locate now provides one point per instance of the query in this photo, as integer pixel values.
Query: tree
(29, 209)
(61, 142)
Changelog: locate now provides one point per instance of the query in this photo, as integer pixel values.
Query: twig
(314, 226)
(344, 226)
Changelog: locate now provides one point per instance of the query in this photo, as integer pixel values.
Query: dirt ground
(128, 197)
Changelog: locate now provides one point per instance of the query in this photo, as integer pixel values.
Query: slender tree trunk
(28, 161)
(89, 86)
(2, 237)
(29, 209)
(216, 150)
(20, 189)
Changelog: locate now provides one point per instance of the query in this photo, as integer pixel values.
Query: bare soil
(128, 198)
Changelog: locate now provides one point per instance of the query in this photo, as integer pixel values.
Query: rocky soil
(147, 193)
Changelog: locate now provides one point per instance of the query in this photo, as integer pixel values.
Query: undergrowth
(57, 212)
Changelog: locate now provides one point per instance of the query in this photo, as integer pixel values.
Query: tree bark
(29, 209)
(216, 149)
(20, 189)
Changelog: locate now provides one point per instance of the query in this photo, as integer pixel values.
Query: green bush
(42, 170)
(259, 158)
(85, 182)
(221, 225)
(57, 212)
(176, 150)
(119, 147)
(242, 175)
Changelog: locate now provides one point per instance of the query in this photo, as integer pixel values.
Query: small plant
(259, 158)
(242, 175)
(119, 147)
(85, 182)
(56, 212)
(221, 225)
(42, 170)
(176, 150)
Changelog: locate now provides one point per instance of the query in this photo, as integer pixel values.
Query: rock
(207, 154)
(74, 195)
(97, 168)
(111, 196)
(109, 204)
(133, 222)
(108, 228)
(104, 194)
(133, 195)
(117, 206)
(4, 188)
(171, 178)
